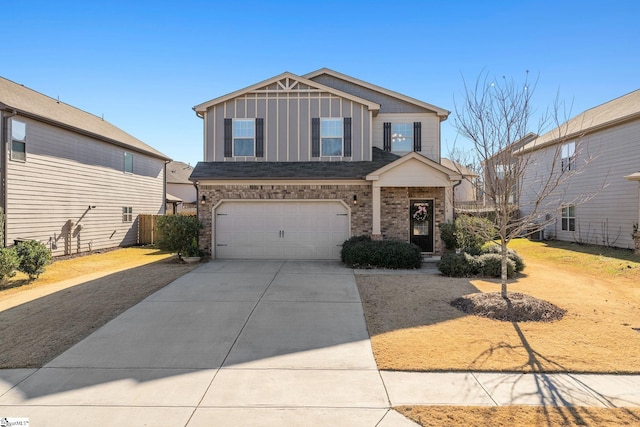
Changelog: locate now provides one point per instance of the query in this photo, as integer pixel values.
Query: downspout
(4, 135)
(453, 197)
(164, 184)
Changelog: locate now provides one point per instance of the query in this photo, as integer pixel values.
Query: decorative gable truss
(288, 118)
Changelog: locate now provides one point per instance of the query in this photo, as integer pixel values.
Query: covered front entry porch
(410, 197)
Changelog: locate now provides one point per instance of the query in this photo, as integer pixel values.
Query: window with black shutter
(259, 137)
(228, 137)
(386, 136)
(315, 137)
(347, 137)
(417, 136)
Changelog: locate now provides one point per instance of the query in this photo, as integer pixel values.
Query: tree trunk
(503, 275)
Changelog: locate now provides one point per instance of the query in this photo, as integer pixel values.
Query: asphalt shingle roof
(25, 100)
(292, 170)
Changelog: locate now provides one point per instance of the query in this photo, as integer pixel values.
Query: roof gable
(30, 103)
(414, 156)
(619, 110)
(285, 82)
(441, 112)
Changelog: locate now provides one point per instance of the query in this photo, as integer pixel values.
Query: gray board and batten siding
(287, 124)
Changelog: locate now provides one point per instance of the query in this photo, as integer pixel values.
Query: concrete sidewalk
(262, 343)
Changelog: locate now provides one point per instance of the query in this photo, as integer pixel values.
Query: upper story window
(401, 137)
(18, 141)
(569, 218)
(331, 137)
(128, 163)
(244, 137)
(568, 154)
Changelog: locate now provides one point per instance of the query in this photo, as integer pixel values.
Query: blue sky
(144, 65)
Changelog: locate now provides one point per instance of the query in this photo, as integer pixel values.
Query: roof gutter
(87, 133)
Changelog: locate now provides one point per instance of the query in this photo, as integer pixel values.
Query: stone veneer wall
(361, 220)
(395, 212)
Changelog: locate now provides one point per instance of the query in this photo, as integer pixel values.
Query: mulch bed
(517, 307)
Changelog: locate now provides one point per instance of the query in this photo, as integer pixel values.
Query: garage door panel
(281, 230)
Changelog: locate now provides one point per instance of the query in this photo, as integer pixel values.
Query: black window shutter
(347, 137)
(228, 137)
(315, 137)
(417, 136)
(386, 136)
(259, 137)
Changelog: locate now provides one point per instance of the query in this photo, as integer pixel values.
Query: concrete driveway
(258, 343)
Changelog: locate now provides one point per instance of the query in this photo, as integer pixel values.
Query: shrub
(448, 235)
(9, 263)
(177, 233)
(491, 265)
(33, 257)
(458, 264)
(518, 263)
(348, 244)
(361, 252)
(472, 232)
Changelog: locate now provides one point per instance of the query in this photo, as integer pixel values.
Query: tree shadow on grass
(559, 394)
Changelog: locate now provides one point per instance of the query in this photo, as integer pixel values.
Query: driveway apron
(231, 343)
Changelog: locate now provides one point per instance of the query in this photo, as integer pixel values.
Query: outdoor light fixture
(355, 199)
(203, 200)
(92, 207)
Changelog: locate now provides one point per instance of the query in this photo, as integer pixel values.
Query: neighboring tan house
(70, 179)
(464, 192)
(597, 205)
(181, 194)
(295, 165)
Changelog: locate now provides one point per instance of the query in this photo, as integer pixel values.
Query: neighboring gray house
(181, 194)
(295, 165)
(603, 144)
(70, 179)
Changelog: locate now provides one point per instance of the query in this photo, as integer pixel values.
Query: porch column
(376, 206)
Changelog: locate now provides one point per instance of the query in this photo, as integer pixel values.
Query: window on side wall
(401, 137)
(18, 141)
(127, 214)
(128, 163)
(331, 132)
(568, 153)
(569, 218)
(244, 135)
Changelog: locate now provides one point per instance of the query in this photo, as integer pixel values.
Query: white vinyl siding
(66, 173)
(607, 217)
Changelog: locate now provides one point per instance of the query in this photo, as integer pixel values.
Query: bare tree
(498, 117)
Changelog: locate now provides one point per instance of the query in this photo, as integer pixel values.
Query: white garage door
(280, 229)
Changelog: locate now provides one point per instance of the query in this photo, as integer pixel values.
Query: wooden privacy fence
(148, 233)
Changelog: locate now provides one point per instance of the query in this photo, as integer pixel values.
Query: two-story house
(295, 165)
(599, 150)
(71, 179)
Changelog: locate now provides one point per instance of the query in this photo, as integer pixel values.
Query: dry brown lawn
(413, 326)
(74, 297)
(443, 416)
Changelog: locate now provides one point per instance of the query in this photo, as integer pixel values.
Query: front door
(421, 224)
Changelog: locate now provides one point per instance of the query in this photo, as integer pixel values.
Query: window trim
(568, 221)
(127, 155)
(411, 139)
(127, 214)
(341, 136)
(234, 137)
(22, 141)
(568, 163)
